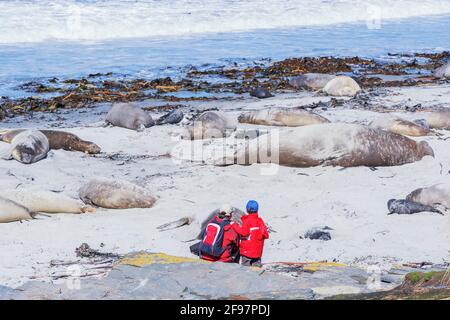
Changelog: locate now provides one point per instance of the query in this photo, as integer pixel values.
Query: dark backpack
(212, 238)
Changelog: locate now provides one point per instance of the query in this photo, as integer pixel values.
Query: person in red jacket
(230, 241)
(253, 232)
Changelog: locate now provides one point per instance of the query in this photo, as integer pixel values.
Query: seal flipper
(175, 224)
(34, 214)
(7, 155)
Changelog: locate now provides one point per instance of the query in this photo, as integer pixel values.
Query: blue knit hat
(252, 206)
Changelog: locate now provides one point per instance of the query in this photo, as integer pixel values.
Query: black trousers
(251, 262)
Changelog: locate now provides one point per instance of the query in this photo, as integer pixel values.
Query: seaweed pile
(219, 83)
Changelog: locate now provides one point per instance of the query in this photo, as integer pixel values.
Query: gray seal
(312, 81)
(319, 234)
(261, 93)
(128, 116)
(28, 147)
(408, 207)
(173, 117)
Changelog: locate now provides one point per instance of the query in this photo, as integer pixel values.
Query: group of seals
(115, 194)
(335, 144)
(400, 126)
(28, 147)
(282, 117)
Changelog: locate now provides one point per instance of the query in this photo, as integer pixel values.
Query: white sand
(351, 201)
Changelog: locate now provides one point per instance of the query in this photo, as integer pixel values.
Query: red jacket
(230, 240)
(254, 231)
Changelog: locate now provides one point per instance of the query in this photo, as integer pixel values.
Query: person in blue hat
(253, 232)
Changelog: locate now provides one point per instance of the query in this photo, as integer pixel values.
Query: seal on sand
(436, 194)
(209, 125)
(282, 117)
(438, 119)
(342, 86)
(126, 115)
(400, 126)
(28, 147)
(172, 117)
(261, 93)
(442, 71)
(11, 211)
(312, 81)
(408, 207)
(115, 194)
(58, 140)
(335, 144)
(45, 201)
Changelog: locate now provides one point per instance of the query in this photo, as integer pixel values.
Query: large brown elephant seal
(442, 71)
(11, 211)
(58, 140)
(282, 117)
(114, 194)
(126, 115)
(312, 81)
(342, 86)
(436, 194)
(400, 126)
(45, 201)
(209, 125)
(28, 147)
(438, 119)
(335, 144)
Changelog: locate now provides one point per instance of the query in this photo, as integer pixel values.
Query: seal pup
(408, 207)
(126, 115)
(312, 81)
(400, 126)
(115, 194)
(261, 93)
(58, 140)
(434, 195)
(335, 144)
(282, 117)
(173, 117)
(11, 211)
(28, 147)
(341, 86)
(442, 71)
(209, 125)
(45, 201)
(438, 119)
(321, 233)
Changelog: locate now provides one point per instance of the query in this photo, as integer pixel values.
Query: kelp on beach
(220, 83)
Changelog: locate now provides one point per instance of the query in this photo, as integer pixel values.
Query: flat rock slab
(145, 275)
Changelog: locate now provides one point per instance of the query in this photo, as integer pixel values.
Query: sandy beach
(352, 201)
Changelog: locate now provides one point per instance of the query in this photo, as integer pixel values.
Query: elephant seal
(58, 140)
(335, 144)
(126, 115)
(408, 207)
(173, 117)
(341, 86)
(400, 126)
(312, 81)
(442, 71)
(438, 119)
(45, 201)
(436, 194)
(261, 93)
(318, 234)
(113, 194)
(11, 211)
(282, 117)
(209, 125)
(28, 147)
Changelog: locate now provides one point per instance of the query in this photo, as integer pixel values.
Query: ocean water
(149, 38)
